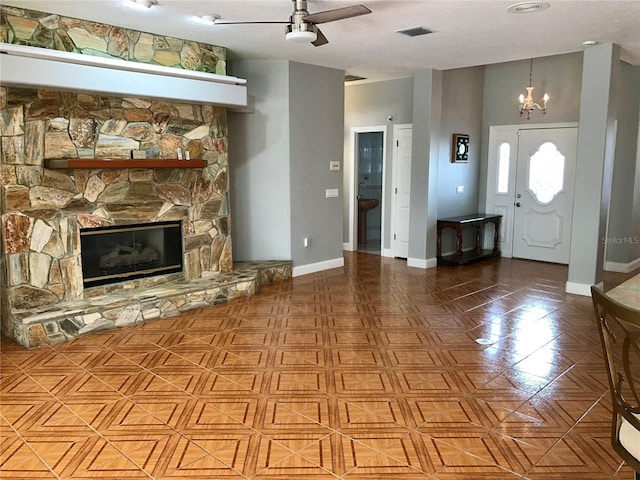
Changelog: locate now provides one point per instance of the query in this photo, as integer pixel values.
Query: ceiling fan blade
(336, 14)
(224, 22)
(320, 39)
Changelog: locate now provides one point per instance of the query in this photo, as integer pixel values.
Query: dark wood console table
(477, 220)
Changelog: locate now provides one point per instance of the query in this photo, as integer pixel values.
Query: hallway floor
(374, 371)
(372, 246)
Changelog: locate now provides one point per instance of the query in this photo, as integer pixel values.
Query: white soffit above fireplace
(34, 67)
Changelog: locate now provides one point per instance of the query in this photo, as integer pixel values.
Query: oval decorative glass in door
(546, 173)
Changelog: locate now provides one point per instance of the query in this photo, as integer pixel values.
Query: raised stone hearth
(114, 307)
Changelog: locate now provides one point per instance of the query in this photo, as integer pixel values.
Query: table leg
(459, 241)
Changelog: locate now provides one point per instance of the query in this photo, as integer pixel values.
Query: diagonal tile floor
(374, 371)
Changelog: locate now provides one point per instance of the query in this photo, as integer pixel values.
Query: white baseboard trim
(422, 262)
(387, 252)
(347, 247)
(622, 267)
(317, 267)
(583, 289)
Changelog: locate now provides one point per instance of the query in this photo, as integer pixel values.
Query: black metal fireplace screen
(126, 252)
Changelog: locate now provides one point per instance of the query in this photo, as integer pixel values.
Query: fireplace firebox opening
(126, 252)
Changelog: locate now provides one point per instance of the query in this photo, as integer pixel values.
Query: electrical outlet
(460, 189)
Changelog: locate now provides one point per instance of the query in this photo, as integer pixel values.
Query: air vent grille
(415, 31)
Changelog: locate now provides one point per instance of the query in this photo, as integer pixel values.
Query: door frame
(394, 178)
(510, 131)
(352, 243)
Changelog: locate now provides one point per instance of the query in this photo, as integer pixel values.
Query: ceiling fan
(302, 26)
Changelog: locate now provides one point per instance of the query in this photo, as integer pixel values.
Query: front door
(543, 203)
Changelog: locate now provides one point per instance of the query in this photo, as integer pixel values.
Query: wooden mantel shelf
(79, 163)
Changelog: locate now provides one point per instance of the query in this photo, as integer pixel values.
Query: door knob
(517, 204)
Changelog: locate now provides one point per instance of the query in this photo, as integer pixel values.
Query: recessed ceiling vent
(352, 78)
(415, 31)
(527, 7)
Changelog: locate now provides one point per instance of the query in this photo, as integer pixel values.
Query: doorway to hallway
(370, 158)
(365, 206)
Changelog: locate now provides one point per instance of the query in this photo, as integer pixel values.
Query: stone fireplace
(46, 210)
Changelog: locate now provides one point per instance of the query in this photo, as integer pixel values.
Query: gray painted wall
(279, 156)
(370, 104)
(259, 164)
(316, 102)
(461, 113)
(623, 244)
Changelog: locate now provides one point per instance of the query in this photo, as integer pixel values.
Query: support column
(596, 148)
(423, 216)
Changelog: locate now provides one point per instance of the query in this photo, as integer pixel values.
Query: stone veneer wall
(45, 30)
(43, 210)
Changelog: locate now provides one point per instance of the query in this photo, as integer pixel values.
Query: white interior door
(545, 174)
(401, 190)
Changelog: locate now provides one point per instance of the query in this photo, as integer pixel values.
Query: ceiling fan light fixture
(302, 33)
(301, 37)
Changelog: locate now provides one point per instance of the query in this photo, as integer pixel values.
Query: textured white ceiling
(466, 33)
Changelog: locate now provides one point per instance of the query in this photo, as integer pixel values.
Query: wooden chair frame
(619, 328)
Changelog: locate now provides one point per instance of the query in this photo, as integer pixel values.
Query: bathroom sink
(364, 205)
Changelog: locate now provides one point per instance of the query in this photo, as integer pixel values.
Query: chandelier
(526, 103)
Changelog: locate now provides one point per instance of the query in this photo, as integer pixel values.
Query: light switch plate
(334, 165)
(331, 192)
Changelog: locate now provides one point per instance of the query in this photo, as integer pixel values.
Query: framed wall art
(460, 148)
